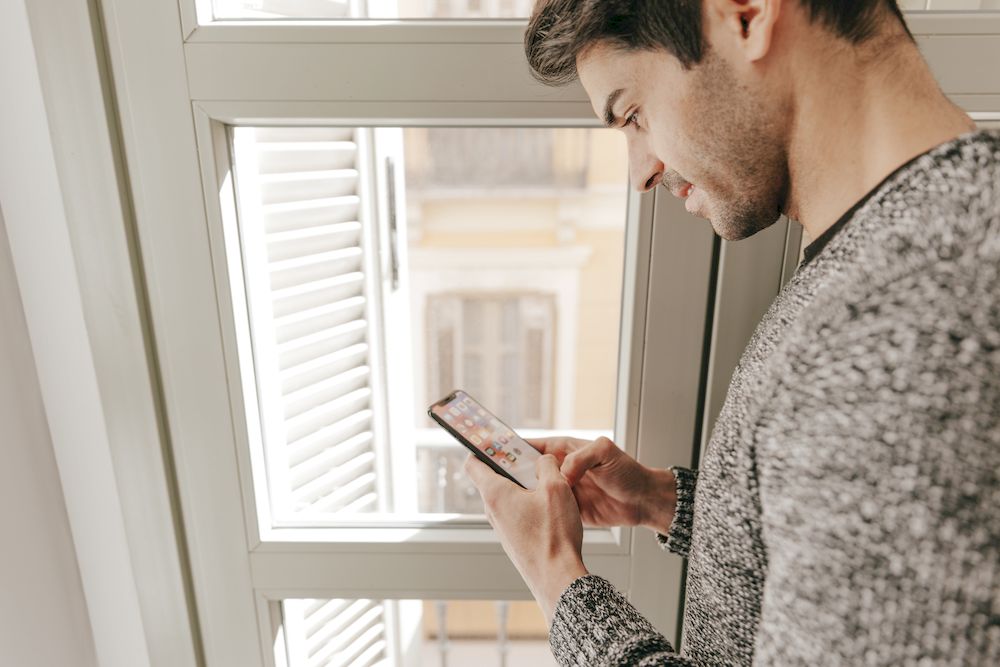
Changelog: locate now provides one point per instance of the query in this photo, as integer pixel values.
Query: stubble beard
(743, 148)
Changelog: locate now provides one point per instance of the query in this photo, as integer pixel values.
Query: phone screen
(480, 430)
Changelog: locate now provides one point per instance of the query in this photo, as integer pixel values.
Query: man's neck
(854, 125)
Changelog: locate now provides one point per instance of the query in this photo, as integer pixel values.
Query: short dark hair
(560, 30)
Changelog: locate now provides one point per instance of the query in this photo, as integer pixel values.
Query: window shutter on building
(499, 348)
(302, 213)
(538, 332)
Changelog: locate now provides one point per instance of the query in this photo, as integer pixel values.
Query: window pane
(948, 5)
(459, 9)
(320, 632)
(344, 9)
(385, 267)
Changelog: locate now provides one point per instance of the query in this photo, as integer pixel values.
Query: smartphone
(493, 442)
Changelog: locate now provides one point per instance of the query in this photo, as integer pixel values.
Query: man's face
(701, 133)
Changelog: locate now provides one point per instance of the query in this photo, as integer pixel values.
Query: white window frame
(147, 60)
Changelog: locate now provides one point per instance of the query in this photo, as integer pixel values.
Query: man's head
(704, 90)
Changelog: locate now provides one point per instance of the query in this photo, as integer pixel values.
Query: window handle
(390, 185)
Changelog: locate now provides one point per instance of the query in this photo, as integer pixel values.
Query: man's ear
(747, 25)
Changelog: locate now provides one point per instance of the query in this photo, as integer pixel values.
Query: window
(948, 5)
(340, 9)
(497, 347)
(439, 258)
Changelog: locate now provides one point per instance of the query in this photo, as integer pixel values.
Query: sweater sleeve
(678, 537)
(595, 626)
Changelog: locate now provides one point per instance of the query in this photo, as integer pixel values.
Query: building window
(498, 348)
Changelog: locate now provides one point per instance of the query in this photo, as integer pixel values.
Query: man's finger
(575, 466)
(543, 445)
(479, 472)
(547, 468)
(558, 447)
(485, 478)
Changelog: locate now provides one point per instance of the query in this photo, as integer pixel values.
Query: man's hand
(611, 487)
(540, 530)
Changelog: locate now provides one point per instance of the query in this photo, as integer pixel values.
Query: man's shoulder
(941, 218)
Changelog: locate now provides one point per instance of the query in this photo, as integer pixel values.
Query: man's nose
(646, 172)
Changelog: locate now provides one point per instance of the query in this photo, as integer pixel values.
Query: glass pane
(346, 9)
(362, 633)
(459, 9)
(383, 268)
(948, 5)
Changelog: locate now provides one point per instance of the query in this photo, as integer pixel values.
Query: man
(847, 510)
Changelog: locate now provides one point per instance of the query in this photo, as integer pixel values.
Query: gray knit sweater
(847, 508)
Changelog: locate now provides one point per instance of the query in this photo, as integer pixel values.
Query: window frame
(373, 562)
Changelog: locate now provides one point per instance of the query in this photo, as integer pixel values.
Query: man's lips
(678, 187)
(682, 191)
(685, 190)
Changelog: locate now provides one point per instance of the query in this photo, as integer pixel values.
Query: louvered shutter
(321, 633)
(537, 344)
(303, 208)
(498, 348)
(443, 316)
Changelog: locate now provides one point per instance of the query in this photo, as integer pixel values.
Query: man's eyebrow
(609, 114)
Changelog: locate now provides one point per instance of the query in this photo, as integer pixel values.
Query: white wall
(43, 616)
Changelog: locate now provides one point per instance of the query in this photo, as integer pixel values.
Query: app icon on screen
(490, 451)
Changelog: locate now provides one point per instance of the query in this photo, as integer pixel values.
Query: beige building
(519, 229)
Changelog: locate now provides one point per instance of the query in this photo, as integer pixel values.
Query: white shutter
(499, 348)
(537, 330)
(335, 633)
(443, 334)
(303, 207)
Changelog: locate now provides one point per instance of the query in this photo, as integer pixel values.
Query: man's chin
(737, 230)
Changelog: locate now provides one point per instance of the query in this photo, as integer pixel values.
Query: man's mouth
(677, 186)
(693, 200)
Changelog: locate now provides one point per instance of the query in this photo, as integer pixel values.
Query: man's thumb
(547, 468)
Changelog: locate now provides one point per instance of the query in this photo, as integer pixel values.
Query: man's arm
(880, 472)
(595, 625)
(542, 532)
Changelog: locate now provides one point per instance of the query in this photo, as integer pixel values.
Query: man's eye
(633, 119)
